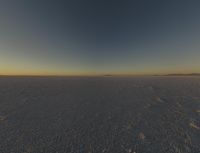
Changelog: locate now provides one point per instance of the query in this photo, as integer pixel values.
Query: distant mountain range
(181, 74)
(108, 75)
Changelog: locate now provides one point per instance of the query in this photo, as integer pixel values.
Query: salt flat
(100, 115)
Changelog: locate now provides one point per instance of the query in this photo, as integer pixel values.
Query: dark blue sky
(87, 37)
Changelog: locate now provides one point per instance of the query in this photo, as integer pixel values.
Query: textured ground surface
(100, 115)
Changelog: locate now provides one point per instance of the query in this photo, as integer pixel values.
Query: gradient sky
(92, 37)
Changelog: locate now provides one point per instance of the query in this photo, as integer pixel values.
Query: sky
(98, 37)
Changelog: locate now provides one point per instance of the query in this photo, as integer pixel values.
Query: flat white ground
(100, 115)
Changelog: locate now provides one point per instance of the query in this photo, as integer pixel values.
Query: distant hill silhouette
(181, 74)
(189, 74)
(108, 75)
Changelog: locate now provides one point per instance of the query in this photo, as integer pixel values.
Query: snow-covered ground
(100, 115)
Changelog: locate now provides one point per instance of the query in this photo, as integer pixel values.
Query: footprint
(131, 151)
(193, 125)
(29, 149)
(141, 136)
(2, 118)
(178, 104)
(158, 99)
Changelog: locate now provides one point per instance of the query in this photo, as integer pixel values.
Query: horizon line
(96, 75)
